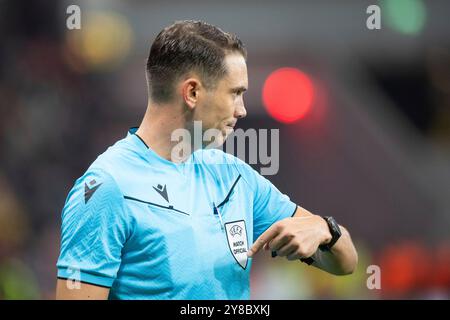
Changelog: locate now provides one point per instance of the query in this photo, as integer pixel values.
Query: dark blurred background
(371, 148)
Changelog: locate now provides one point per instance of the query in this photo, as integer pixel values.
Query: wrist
(334, 230)
(326, 234)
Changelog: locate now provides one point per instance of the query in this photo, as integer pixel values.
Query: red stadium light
(288, 94)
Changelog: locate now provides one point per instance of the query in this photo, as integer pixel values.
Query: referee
(140, 225)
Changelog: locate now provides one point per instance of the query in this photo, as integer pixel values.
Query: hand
(294, 238)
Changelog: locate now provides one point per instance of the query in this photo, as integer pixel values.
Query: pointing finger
(268, 235)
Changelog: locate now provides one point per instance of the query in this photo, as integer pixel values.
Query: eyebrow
(241, 88)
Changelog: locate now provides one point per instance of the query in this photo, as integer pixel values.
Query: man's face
(224, 105)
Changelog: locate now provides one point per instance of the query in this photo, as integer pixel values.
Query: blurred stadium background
(371, 146)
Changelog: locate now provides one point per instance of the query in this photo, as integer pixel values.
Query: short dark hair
(188, 46)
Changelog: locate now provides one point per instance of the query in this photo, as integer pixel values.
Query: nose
(240, 112)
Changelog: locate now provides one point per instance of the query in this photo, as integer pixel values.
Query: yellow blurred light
(104, 40)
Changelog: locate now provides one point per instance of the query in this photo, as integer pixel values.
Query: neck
(157, 126)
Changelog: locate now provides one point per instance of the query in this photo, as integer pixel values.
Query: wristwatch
(335, 233)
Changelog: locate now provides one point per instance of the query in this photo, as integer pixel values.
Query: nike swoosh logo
(88, 193)
(163, 192)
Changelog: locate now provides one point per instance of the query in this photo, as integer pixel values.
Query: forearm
(300, 236)
(341, 260)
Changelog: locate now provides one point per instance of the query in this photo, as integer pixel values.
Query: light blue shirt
(149, 228)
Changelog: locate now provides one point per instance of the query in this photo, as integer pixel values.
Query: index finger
(268, 235)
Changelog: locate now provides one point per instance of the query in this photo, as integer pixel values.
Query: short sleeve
(269, 204)
(94, 229)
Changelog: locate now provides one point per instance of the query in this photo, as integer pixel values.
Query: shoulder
(102, 177)
(98, 192)
(96, 186)
(117, 164)
(117, 155)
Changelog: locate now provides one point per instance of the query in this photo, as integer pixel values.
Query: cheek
(230, 105)
(218, 110)
(223, 107)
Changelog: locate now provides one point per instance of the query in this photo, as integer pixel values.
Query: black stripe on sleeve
(295, 210)
(94, 284)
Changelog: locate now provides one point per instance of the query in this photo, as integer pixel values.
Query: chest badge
(237, 241)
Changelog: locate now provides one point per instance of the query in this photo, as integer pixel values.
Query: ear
(190, 91)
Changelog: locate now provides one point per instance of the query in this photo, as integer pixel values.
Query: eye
(238, 92)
